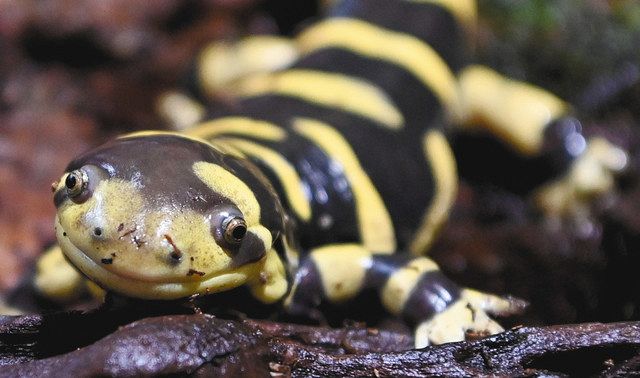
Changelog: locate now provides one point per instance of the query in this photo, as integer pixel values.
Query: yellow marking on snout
(113, 201)
(328, 89)
(168, 289)
(464, 10)
(136, 238)
(398, 288)
(228, 185)
(239, 125)
(342, 270)
(515, 111)
(400, 49)
(286, 173)
(376, 228)
(443, 167)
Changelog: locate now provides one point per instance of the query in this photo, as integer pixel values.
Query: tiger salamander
(330, 178)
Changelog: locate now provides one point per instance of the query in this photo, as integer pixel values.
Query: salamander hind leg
(409, 287)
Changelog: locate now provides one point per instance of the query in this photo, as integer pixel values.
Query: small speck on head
(176, 253)
(138, 241)
(120, 227)
(191, 272)
(64, 233)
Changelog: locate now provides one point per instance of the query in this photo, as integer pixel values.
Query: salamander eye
(228, 226)
(76, 182)
(234, 229)
(80, 183)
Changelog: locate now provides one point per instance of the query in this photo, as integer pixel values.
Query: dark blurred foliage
(587, 52)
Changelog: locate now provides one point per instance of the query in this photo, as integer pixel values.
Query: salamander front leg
(58, 281)
(415, 289)
(470, 312)
(410, 287)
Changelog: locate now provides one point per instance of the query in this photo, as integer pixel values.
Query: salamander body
(330, 179)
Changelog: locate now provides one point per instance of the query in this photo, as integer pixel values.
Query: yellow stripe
(328, 89)
(342, 269)
(221, 63)
(180, 110)
(376, 228)
(292, 254)
(154, 133)
(515, 111)
(400, 49)
(396, 291)
(227, 148)
(287, 175)
(443, 167)
(228, 185)
(238, 125)
(464, 10)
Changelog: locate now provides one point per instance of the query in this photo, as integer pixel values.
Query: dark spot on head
(192, 258)
(128, 232)
(113, 255)
(64, 233)
(138, 241)
(107, 261)
(97, 231)
(191, 272)
(120, 227)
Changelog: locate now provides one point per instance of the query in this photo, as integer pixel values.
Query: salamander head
(163, 216)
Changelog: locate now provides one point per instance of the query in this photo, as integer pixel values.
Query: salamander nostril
(176, 255)
(97, 231)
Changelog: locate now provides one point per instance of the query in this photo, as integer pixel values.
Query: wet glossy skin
(165, 216)
(349, 141)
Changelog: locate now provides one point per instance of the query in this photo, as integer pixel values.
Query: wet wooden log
(90, 344)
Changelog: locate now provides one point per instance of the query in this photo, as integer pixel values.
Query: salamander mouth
(145, 288)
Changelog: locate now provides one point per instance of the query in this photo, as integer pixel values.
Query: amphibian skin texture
(330, 179)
